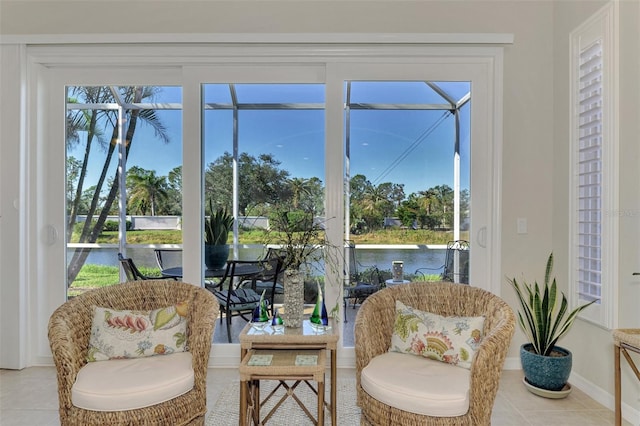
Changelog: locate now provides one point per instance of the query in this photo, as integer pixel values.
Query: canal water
(426, 260)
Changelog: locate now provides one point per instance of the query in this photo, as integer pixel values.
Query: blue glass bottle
(260, 317)
(276, 322)
(319, 319)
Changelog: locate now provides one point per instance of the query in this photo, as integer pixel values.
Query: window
(593, 168)
(408, 156)
(111, 132)
(263, 148)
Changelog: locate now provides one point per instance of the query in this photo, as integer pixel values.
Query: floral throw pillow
(134, 334)
(453, 340)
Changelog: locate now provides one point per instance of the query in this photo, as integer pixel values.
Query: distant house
(392, 222)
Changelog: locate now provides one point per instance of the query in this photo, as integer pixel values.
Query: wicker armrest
(488, 361)
(203, 313)
(373, 329)
(69, 329)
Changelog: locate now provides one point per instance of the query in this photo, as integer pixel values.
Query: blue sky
(410, 147)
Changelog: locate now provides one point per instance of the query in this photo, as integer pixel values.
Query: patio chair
(270, 279)
(132, 272)
(168, 258)
(69, 332)
(407, 389)
(361, 284)
(235, 301)
(457, 255)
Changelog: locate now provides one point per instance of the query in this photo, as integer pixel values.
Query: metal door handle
(481, 237)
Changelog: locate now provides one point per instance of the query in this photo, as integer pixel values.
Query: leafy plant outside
(299, 236)
(217, 225)
(541, 317)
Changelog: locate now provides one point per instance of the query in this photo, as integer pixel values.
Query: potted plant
(544, 320)
(216, 230)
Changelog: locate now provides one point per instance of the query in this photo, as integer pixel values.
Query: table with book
(293, 354)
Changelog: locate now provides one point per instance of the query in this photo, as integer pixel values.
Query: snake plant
(542, 314)
(217, 225)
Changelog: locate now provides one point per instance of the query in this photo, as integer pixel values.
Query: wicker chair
(70, 327)
(374, 327)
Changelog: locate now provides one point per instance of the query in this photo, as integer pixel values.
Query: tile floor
(28, 397)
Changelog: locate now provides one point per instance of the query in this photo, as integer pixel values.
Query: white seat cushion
(418, 385)
(128, 384)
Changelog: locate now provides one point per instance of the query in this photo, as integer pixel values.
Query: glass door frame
(55, 67)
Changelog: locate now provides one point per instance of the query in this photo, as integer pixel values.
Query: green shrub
(291, 221)
(110, 225)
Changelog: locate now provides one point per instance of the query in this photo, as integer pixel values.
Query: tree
(261, 182)
(307, 194)
(409, 211)
(298, 187)
(370, 204)
(314, 197)
(443, 195)
(94, 123)
(434, 206)
(358, 186)
(73, 173)
(146, 189)
(82, 122)
(173, 203)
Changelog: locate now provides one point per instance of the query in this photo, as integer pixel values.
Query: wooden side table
(301, 338)
(626, 339)
(280, 365)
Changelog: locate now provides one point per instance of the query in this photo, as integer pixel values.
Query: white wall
(592, 345)
(535, 154)
(12, 288)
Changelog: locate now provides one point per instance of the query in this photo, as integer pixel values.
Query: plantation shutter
(589, 168)
(594, 166)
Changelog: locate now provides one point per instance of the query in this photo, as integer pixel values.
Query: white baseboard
(629, 413)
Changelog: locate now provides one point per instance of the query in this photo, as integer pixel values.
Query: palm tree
(99, 121)
(83, 121)
(147, 189)
(299, 187)
(440, 203)
(425, 201)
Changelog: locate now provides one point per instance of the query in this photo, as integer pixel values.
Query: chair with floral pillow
(106, 381)
(430, 354)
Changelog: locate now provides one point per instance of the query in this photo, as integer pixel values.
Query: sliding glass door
(387, 155)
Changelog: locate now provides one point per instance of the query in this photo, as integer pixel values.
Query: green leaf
(540, 317)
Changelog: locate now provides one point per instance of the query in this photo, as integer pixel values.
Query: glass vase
(319, 319)
(293, 298)
(260, 316)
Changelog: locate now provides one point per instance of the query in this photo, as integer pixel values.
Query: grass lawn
(94, 276)
(258, 236)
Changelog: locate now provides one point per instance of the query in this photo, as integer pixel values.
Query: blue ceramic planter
(546, 372)
(215, 256)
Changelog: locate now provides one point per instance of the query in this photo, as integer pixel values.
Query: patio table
(240, 271)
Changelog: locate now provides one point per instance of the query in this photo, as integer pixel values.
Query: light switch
(521, 225)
